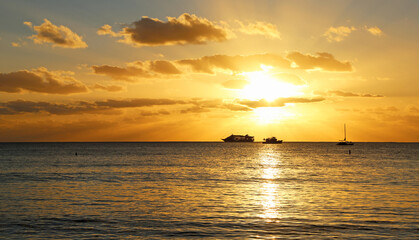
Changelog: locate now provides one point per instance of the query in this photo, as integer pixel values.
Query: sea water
(209, 190)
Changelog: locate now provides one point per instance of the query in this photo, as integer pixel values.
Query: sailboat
(344, 142)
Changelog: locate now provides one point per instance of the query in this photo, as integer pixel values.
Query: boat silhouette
(239, 138)
(271, 140)
(344, 141)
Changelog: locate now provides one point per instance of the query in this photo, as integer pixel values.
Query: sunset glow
(133, 72)
(263, 86)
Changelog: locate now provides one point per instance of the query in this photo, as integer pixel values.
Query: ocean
(207, 190)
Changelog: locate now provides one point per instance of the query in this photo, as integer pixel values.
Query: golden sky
(202, 70)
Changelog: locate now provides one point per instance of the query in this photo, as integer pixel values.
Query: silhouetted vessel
(271, 140)
(239, 138)
(344, 142)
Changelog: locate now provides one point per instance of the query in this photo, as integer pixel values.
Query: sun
(269, 115)
(262, 85)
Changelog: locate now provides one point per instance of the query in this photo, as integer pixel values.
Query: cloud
(107, 30)
(15, 44)
(237, 63)
(259, 28)
(186, 29)
(338, 34)
(163, 67)
(323, 61)
(279, 102)
(113, 106)
(225, 63)
(109, 88)
(59, 36)
(138, 69)
(350, 94)
(235, 84)
(22, 106)
(376, 31)
(42, 81)
(290, 78)
(119, 73)
(49, 130)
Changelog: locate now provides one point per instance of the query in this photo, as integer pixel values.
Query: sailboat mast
(344, 131)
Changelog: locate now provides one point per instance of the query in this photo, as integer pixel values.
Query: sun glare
(266, 115)
(264, 86)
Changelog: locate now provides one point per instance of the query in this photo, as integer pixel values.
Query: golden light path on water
(270, 192)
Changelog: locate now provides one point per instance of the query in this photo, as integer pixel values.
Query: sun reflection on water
(269, 160)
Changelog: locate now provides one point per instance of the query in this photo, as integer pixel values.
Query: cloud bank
(42, 81)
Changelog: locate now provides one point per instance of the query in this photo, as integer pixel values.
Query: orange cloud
(22, 106)
(323, 61)
(350, 94)
(209, 64)
(110, 88)
(138, 69)
(290, 78)
(119, 73)
(259, 28)
(376, 31)
(338, 34)
(42, 81)
(235, 84)
(59, 36)
(279, 102)
(186, 29)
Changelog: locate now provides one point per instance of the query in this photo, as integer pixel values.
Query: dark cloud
(323, 61)
(237, 63)
(59, 36)
(186, 29)
(41, 80)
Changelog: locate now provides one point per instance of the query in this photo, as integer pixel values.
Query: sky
(176, 70)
